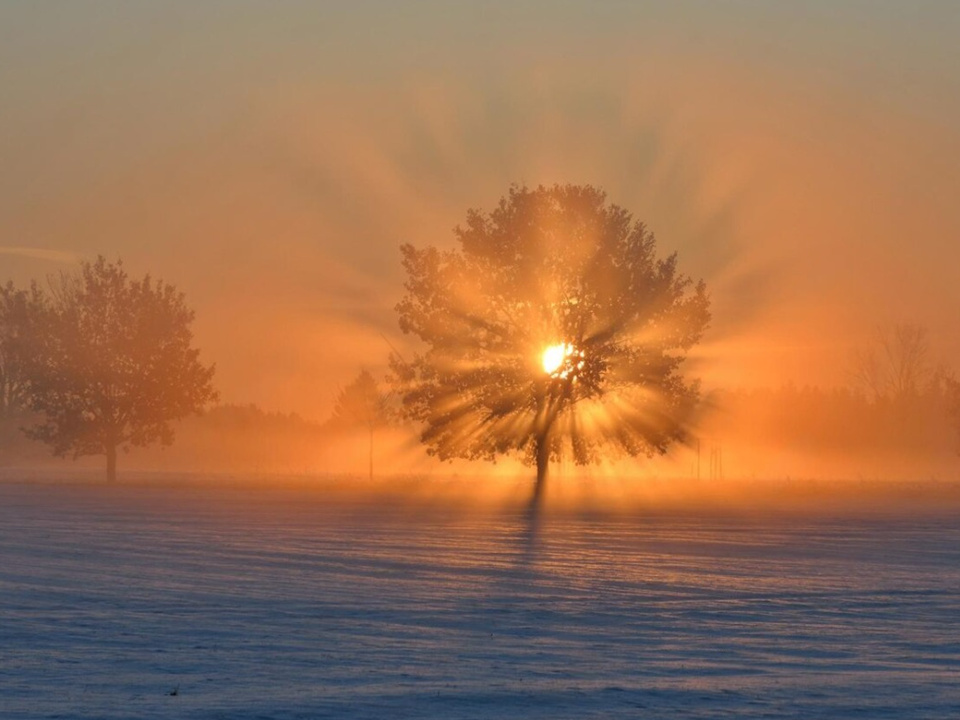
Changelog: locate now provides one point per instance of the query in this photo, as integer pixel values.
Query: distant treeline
(814, 418)
(224, 438)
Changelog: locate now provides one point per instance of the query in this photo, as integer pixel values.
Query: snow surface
(255, 604)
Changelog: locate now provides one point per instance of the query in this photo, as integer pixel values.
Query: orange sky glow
(271, 170)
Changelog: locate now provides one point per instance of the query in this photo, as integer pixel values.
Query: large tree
(114, 364)
(361, 405)
(553, 329)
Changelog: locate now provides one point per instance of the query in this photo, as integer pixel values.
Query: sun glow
(553, 357)
(558, 359)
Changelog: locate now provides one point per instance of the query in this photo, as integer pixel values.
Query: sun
(554, 356)
(562, 360)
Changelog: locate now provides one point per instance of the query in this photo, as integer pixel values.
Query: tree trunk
(111, 463)
(543, 463)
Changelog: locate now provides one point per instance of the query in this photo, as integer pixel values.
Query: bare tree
(953, 404)
(895, 365)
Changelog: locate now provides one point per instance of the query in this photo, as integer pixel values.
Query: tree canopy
(552, 329)
(113, 363)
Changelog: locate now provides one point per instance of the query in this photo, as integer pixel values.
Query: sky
(269, 158)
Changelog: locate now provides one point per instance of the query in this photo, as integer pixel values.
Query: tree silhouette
(19, 312)
(553, 329)
(113, 364)
(895, 365)
(362, 405)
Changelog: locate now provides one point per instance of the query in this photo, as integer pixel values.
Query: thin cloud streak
(55, 256)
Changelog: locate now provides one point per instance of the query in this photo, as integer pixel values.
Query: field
(210, 600)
